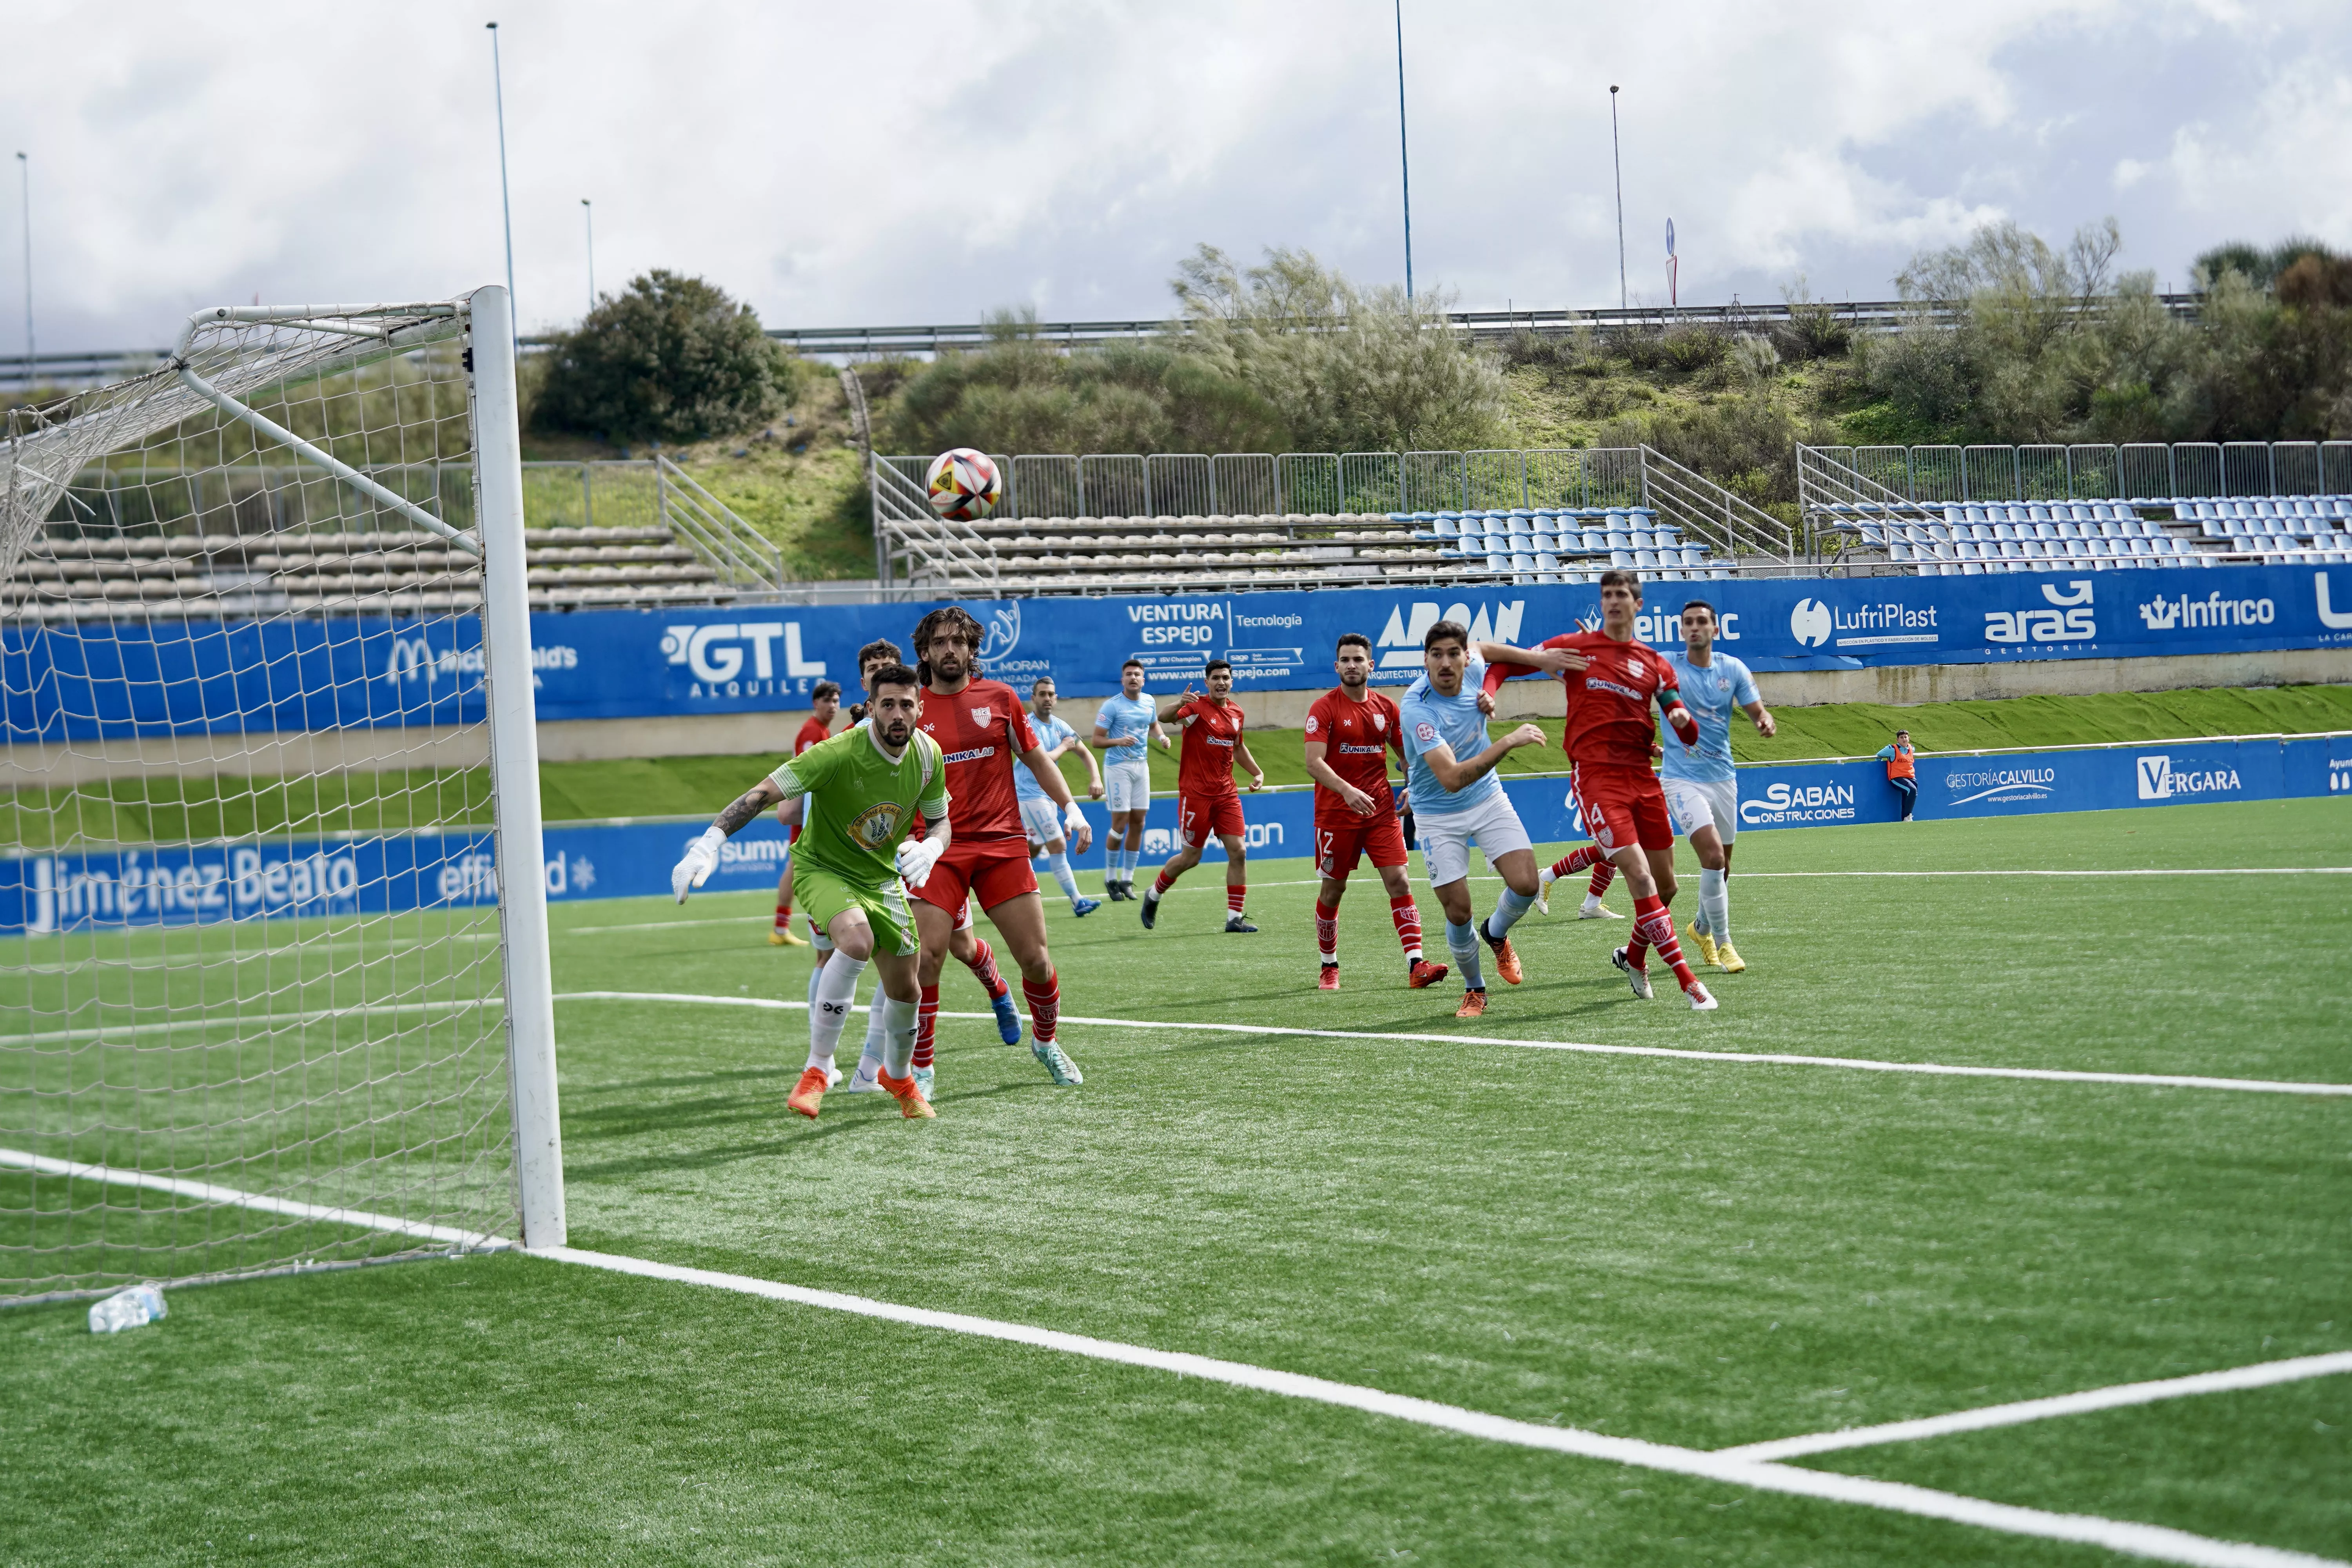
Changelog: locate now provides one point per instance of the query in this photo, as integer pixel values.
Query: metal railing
(738, 553)
(2144, 471)
(1481, 326)
(914, 544)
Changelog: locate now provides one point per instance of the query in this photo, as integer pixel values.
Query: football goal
(274, 988)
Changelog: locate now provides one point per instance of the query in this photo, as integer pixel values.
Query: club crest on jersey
(1425, 733)
(980, 715)
(876, 828)
(1380, 723)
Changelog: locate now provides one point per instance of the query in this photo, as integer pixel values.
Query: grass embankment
(168, 810)
(799, 481)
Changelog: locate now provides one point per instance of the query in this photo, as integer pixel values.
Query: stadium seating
(1975, 537)
(65, 577)
(1195, 554)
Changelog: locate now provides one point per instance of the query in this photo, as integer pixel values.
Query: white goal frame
(483, 321)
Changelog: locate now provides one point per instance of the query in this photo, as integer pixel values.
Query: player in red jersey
(1206, 802)
(983, 730)
(824, 704)
(1350, 731)
(1611, 679)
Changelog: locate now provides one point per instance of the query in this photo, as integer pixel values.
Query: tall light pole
(24, 168)
(588, 215)
(1405, 152)
(1618, 162)
(506, 204)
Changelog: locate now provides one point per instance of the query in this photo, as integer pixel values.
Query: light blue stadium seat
(1547, 562)
(1497, 562)
(1595, 540)
(1622, 560)
(1443, 526)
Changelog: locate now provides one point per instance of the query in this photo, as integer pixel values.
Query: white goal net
(268, 761)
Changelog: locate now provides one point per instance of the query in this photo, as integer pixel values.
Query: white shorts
(1691, 805)
(1128, 786)
(1041, 819)
(1445, 840)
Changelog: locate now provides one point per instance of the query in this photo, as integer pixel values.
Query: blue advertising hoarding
(193, 884)
(95, 680)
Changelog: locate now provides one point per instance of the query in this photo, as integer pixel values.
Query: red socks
(1407, 915)
(1326, 932)
(1044, 1005)
(784, 915)
(1577, 859)
(927, 1024)
(1161, 885)
(984, 970)
(1235, 892)
(1653, 927)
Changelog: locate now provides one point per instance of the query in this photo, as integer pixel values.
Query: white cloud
(926, 160)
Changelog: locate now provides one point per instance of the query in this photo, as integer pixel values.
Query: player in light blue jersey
(1124, 728)
(1040, 818)
(1701, 786)
(1457, 801)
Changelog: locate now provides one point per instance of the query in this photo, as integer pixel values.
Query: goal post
(274, 986)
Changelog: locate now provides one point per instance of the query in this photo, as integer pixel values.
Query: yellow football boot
(786, 938)
(1703, 942)
(1728, 958)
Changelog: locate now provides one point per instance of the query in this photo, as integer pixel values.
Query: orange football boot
(809, 1093)
(908, 1094)
(1473, 1005)
(1507, 961)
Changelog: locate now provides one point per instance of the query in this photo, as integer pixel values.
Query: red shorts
(1623, 807)
(1198, 815)
(994, 871)
(1341, 837)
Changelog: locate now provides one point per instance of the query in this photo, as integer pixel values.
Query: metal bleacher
(1662, 520)
(73, 577)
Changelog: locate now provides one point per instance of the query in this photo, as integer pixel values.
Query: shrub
(667, 359)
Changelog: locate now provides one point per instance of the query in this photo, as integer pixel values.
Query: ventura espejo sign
(99, 679)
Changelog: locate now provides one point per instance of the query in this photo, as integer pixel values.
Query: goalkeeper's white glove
(915, 858)
(701, 860)
(1074, 823)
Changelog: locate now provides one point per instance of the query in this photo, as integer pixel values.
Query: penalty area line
(2262, 1375)
(2149, 1541)
(1758, 1058)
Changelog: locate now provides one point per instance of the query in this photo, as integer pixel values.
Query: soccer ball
(964, 484)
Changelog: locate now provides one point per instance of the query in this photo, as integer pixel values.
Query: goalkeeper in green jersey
(859, 793)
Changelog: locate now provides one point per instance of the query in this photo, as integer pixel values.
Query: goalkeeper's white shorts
(1693, 804)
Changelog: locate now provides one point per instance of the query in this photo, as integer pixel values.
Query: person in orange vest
(1899, 771)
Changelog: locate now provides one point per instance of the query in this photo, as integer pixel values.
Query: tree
(667, 359)
(1349, 370)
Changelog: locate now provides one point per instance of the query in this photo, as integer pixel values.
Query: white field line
(2260, 1375)
(222, 1021)
(205, 1192)
(2137, 1539)
(1761, 1059)
(2154, 1542)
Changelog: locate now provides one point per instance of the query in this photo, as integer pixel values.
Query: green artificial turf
(1697, 1252)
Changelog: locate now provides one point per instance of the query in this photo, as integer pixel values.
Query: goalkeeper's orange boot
(1473, 1005)
(908, 1094)
(809, 1093)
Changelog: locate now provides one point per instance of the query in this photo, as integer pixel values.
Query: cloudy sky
(925, 160)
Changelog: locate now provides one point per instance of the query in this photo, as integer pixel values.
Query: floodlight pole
(1617, 162)
(24, 168)
(506, 204)
(588, 215)
(1404, 153)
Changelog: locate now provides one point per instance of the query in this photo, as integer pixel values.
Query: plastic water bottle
(127, 1309)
